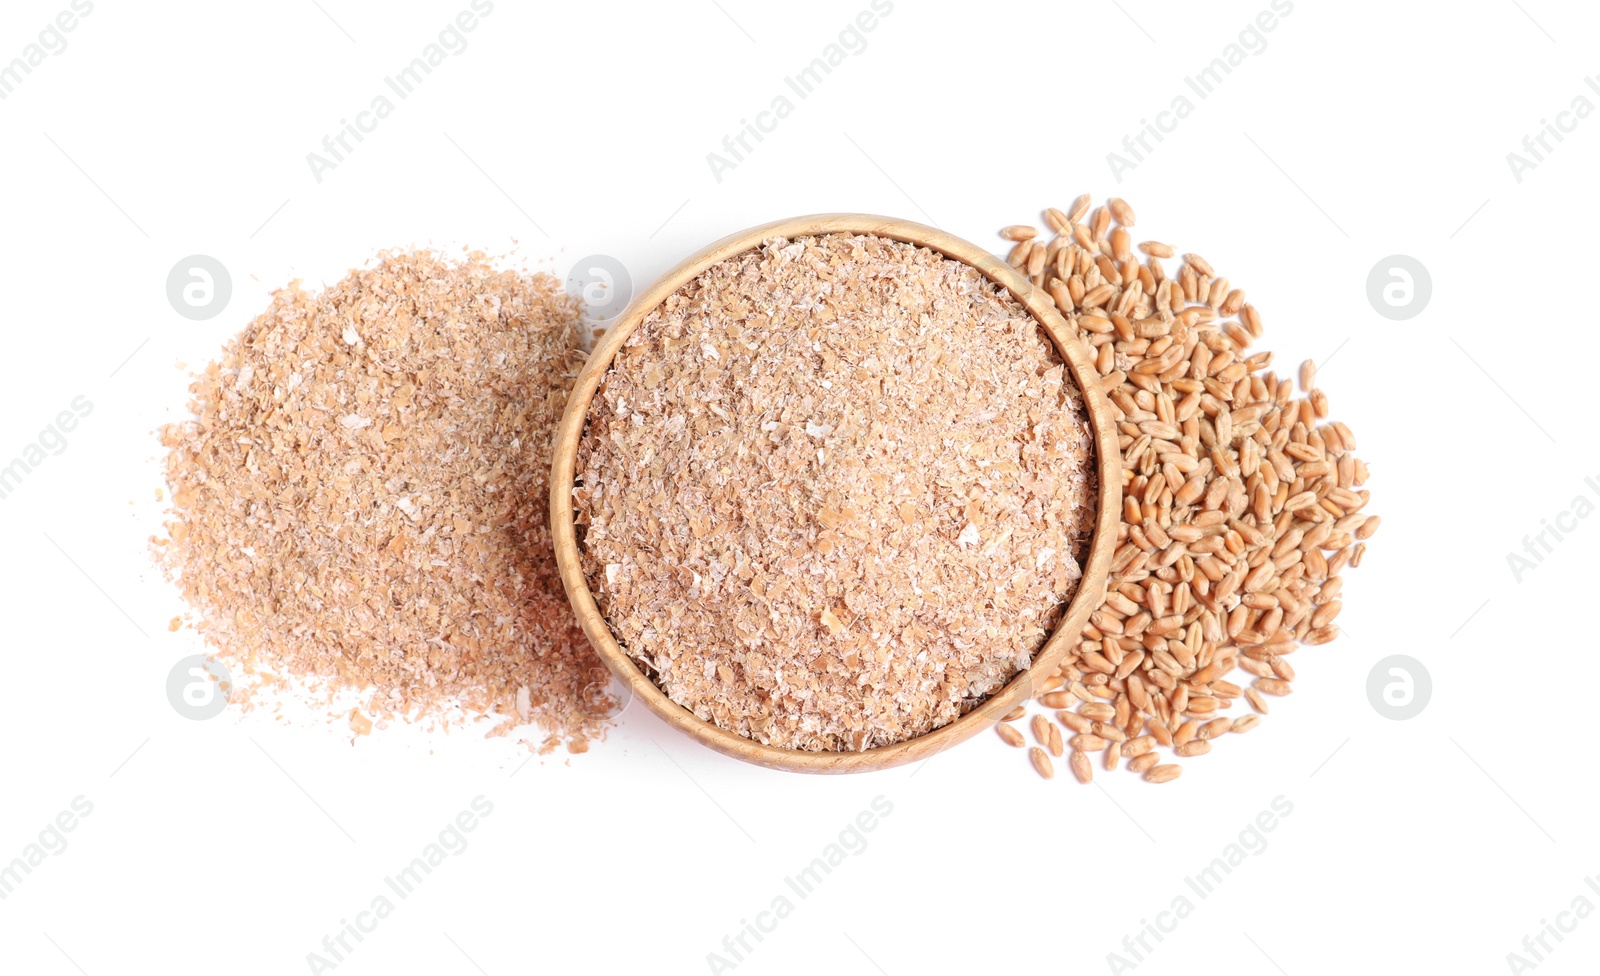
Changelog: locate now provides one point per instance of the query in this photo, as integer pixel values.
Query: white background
(1363, 129)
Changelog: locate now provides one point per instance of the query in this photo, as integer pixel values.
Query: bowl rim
(1096, 568)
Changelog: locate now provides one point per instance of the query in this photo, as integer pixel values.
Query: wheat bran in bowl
(835, 491)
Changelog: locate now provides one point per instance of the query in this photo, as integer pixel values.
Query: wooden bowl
(1091, 588)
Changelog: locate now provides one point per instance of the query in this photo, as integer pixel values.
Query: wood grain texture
(1091, 588)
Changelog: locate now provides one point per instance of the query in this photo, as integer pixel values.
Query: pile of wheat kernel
(359, 499)
(1241, 505)
(835, 491)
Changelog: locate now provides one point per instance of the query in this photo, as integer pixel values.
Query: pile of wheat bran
(359, 501)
